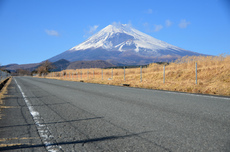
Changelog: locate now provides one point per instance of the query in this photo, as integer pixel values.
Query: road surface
(54, 115)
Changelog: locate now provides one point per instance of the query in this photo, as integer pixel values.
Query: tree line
(43, 69)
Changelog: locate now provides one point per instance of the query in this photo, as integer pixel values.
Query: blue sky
(32, 31)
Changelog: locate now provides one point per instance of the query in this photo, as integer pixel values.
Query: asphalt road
(53, 115)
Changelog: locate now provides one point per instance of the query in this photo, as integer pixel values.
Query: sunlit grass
(213, 75)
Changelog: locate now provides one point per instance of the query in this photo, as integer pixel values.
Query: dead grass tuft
(2, 95)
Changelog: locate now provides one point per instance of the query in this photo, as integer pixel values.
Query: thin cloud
(146, 24)
(52, 32)
(117, 24)
(91, 30)
(149, 28)
(184, 23)
(146, 27)
(157, 28)
(168, 23)
(149, 11)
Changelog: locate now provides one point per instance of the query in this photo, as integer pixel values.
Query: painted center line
(44, 132)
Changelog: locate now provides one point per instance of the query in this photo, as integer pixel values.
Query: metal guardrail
(3, 75)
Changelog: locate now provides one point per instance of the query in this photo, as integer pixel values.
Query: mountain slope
(121, 43)
(60, 65)
(89, 64)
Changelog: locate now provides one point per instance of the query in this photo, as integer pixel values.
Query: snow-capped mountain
(122, 37)
(121, 43)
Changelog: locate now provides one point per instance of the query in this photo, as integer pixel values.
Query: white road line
(43, 130)
(202, 95)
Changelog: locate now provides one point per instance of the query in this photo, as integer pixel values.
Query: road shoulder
(17, 128)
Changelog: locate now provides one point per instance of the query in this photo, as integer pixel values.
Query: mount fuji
(121, 44)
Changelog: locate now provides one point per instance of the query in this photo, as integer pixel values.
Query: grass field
(213, 75)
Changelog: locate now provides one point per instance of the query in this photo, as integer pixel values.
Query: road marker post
(164, 75)
(88, 75)
(93, 75)
(124, 73)
(101, 74)
(141, 73)
(196, 71)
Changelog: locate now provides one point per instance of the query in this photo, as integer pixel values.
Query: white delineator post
(164, 75)
(88, 75)
(93, 75)
(124, 73)
(196, 71)
(141, 73)
(101, 74)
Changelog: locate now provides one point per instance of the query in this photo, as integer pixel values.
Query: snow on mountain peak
(123, 44)
(122, 37)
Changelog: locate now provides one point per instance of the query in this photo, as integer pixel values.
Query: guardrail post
(164, 75)
(124, 73)
(196, 71)
(101, 74)
(88, 75)
(141, 73)
(93, 75)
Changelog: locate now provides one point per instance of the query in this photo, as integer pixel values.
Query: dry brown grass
(4, 90)
(213, 75)
(2, 95)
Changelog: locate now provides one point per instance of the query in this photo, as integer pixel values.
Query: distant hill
(89, 64)
(14, 67)
(10, 65)
(60, 65)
